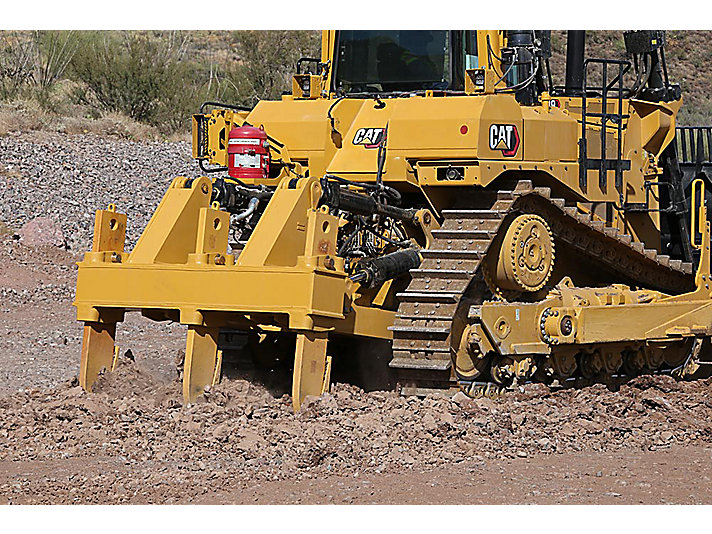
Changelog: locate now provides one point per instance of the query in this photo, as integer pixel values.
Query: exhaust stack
(575, 51)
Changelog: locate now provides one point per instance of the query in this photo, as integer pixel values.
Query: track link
(450, 277)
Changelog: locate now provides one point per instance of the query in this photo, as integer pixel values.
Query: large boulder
(42, 231)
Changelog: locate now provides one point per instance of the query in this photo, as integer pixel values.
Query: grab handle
(698, 213)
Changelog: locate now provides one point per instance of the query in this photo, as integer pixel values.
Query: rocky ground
(132, 441)
(67, 178)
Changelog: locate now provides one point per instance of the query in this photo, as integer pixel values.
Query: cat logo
(504, 137)
(368, 137)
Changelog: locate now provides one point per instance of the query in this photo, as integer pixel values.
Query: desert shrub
(33, 63)
(129, 72)
(54, 52)
(156, 78)
(17, 62)
(267, 60)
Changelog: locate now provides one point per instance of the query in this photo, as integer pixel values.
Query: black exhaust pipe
(575, 51)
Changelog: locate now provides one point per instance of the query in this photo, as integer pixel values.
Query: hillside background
(144, 84)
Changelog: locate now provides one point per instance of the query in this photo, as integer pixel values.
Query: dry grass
(26, 115)
(5, 231)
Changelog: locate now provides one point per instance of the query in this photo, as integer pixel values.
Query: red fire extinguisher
(248, 153)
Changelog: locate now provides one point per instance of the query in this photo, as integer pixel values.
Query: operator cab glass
(471, 59)
(381, 61)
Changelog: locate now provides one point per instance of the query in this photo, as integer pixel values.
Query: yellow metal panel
(549, 134)
(213, 227)
(109, 231)
(172, 231)
(300, 124)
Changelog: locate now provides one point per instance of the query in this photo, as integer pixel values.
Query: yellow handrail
(698, 213)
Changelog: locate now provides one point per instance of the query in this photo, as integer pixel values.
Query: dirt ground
(132, 441)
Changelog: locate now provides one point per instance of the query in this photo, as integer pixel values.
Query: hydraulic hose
(343, 199)
(251, 207)
(232, 196)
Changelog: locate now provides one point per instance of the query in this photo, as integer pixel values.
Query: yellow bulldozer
(434, 195)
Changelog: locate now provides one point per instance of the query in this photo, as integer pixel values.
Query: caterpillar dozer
(434, 195)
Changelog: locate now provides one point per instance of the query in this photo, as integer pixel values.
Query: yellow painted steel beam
(184, 288)
(299, 294)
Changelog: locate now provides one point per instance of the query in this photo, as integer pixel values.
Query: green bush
(268, 59)
(157, 78)
(130, 73)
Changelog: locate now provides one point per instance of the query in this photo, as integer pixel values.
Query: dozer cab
(434, 192)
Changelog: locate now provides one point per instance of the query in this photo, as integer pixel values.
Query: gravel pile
(69, 177)
(239, 431)
(35, 276)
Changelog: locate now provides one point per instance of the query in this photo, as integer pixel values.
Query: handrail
(698, 194)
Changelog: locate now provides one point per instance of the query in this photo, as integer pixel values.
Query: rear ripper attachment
(288, 276)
